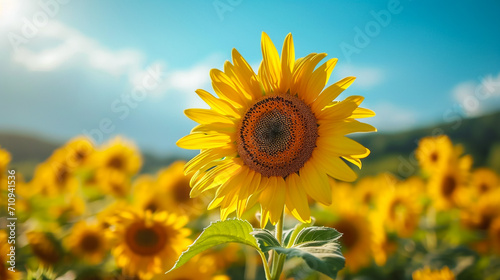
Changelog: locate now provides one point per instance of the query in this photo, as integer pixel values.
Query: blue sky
(70, 67)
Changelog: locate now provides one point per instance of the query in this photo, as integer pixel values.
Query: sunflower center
(116, 162)
(146, 241)
(62, 174)
(449, 185)
(152, 206)
(483, 188)
(90, 243)
(182, 190)
(277, 135)
(349, 232)
(434, 156)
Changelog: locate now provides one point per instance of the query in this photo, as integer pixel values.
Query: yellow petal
(302, 75)
(224, 128)
(246, 74)
(362, 113)
(315, 182)
(319, 78)
(236, 182)
(340, 145)
(198, 141)
(340, 110)
(206, 116)
(272, 198)
(206, 157)
(355, 161)
(207, 182)
(271, 60)
(225, 89)
(287, 63)
(343, 127)
(296, 199)
(334, 166)
(219, 105)
(331, 92)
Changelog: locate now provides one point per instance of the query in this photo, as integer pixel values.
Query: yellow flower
(113, 182)
(148, 243)
(368, 189)
(479, 215)
(448, 186)
(400, 210)
(78, 152)
(118, 155)
(484, 180)
(433, 153)
(428, 274)
(356, 238)
(174, 185)
(274, 137)
(382, 247)
(355, 224)
(44, 247)
(5, 274)
(88, 242)
(146, 195)
(199, 268)
(54, 177)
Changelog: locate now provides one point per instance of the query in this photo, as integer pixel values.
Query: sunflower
(148, 243)
(5, 274)
(274, 137)
(54, 177)
(382, 247)
(118, 155)
(87, 241)
(356, 238)
(146, 196)
(44, 247)
(113, 182)
(78, 151)
(399, 210)
(369, 189)
(427, 274)
(448, 186)
(174, 186)
(484, 180)
(199, 268)
(479, 215)
(433, 153)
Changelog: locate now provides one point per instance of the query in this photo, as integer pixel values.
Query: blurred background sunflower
(90, 116)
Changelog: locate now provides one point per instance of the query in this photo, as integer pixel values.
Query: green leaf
(220, 232)
(266, 240)
(319, 248)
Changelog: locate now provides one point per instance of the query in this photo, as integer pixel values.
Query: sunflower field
(272, 194)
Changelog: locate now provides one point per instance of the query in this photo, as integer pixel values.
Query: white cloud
(478, 97)
(390, 117)
(71, 45)
(366, 77)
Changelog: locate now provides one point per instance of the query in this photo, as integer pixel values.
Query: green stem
(278, 260)
(266, 266)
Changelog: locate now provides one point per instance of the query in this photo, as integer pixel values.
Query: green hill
(389, 152)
